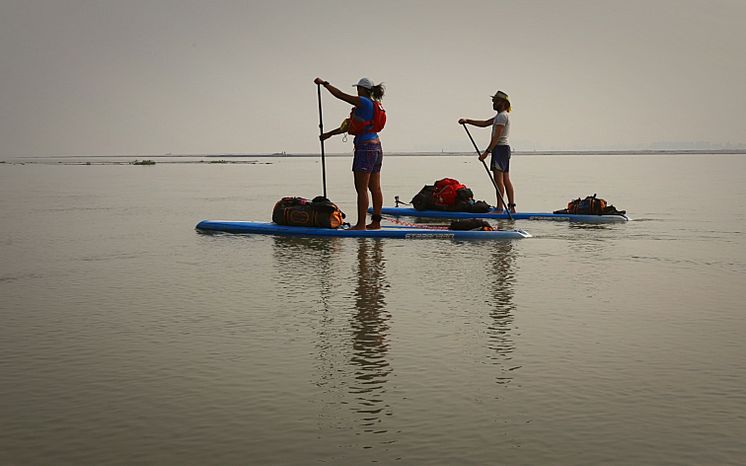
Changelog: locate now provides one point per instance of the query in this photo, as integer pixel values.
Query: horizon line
(402, 153)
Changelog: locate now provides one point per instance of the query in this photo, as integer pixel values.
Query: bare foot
(357, 227)
(373, 226)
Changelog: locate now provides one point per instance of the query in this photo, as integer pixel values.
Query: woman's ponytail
(376, 92)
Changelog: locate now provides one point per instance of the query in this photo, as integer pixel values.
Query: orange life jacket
(358, 126)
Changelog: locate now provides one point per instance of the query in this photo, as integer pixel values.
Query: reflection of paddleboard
(410, 212)
(268, 228)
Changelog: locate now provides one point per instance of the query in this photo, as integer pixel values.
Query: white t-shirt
(501, 119)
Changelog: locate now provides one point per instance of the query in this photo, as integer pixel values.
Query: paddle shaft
(321, 132)
(497, 190)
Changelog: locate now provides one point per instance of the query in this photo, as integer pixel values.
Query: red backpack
(358, 126)
(446, 191)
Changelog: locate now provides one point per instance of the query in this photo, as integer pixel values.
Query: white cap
(364, 82)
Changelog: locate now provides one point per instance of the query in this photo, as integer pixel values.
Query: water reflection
(502, 309)
(306, 260)
(345, 308)
(586, 243)
(308, 275)
(370, 333)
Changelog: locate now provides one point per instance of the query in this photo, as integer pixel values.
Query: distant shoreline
(518, 152)
(398, 154)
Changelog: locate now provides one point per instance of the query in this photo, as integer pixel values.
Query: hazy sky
(100, 77)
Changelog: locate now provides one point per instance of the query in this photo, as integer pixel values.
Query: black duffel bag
(470, 224)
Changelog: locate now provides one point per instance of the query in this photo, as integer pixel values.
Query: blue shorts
(501, 158)
(368, 157)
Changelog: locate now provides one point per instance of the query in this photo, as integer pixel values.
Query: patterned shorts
(368, 157)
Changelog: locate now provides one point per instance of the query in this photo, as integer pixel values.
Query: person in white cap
(366, 119)
(498, 147)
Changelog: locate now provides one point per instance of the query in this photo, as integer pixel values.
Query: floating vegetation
(249, 162)
(104, 161)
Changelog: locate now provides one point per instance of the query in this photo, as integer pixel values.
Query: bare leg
(500, 189)
(374, 185)
(509, 191)
(361, 186)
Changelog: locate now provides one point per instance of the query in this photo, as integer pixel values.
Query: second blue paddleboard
(410, 212)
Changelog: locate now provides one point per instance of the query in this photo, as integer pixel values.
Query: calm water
(129, 338)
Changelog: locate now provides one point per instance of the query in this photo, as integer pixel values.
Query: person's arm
(331, 133)
(480, 123)
(493, 142)
(350, 99)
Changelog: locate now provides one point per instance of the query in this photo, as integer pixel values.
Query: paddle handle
(321, 132)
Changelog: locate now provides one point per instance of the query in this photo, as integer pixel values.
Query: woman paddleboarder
(366, 119)
(498, 147)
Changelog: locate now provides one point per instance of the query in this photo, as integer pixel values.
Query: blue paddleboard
(410, 212)
(269, 228)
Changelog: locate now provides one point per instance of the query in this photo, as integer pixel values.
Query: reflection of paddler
(370, 333)
(369, 299)
(501, 329)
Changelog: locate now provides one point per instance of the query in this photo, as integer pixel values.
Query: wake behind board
(410, 212)
(269, 228)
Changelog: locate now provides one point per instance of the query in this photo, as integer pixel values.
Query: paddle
(321, 131)
(499, 196)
